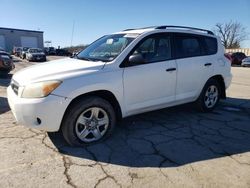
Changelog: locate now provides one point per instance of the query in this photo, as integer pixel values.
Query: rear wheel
(89, 121)
(209, 96)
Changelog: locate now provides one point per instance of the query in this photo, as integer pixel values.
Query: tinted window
(211, 45)
(187, 46)
(154, 49)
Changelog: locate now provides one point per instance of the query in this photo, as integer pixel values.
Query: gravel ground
(174, 147)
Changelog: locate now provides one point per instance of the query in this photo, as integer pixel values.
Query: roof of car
(169, 28)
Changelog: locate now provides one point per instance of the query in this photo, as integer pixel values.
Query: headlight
(40, 89)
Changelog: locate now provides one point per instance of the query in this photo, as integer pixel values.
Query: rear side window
(187, 46)
(210, 45)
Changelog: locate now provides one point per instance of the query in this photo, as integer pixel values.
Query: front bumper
(42, 113)
(37, 58)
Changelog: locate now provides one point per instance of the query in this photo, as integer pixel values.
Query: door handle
(171, 69)
(207, 64)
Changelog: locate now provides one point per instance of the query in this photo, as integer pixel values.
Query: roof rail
(153, 27)
(128, 29)
(184, 27)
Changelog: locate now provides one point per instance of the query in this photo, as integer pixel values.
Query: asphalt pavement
(173, 147)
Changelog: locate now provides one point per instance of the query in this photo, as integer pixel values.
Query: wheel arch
(104, 94)
(219, 78)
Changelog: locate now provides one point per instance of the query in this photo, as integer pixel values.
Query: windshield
(34, 50)
(106, 48)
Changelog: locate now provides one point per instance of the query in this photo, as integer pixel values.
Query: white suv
(119, 75)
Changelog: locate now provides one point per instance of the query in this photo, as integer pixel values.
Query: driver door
(150, 84)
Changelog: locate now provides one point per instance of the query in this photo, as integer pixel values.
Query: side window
(187, 46)
(147, 47)
(211, 45)
(154, 49)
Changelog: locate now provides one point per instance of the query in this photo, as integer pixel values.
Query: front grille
(14, 85)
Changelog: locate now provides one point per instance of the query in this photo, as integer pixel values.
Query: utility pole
(72, 34)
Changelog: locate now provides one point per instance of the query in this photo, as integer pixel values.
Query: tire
(77, 121)
(4, 74)
(205, 103)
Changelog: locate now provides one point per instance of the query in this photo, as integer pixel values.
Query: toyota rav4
(119, 75)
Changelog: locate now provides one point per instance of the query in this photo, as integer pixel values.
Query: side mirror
(136, 59)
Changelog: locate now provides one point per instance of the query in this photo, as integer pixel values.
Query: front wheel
(209, 96)
(88, 121)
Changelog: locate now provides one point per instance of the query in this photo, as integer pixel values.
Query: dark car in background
(24, 51)
(17, 51)
(229, 57)
(50, 51)
(35, 54)
(63, 52)
(237, 58)
(6, 63)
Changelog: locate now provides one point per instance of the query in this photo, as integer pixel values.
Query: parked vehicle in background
(5, 53)
(119, 75)
(75, 53)
(17, 51)
(246, 62)
(24, 51)
(35, 54)
(237, 58)
(63, 52)
(229, 57)
(50, 51)
(6, 63)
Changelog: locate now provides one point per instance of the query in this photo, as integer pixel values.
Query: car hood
(56, 70)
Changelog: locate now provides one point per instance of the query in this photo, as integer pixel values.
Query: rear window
(187, 46)
(210, 45)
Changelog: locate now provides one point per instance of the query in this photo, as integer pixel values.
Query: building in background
(243, 50)
(10, 38)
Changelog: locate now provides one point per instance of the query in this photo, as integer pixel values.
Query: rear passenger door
(194, 67)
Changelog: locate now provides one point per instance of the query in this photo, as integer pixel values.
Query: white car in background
(119, 75)
(35, 54)
(246, 62)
